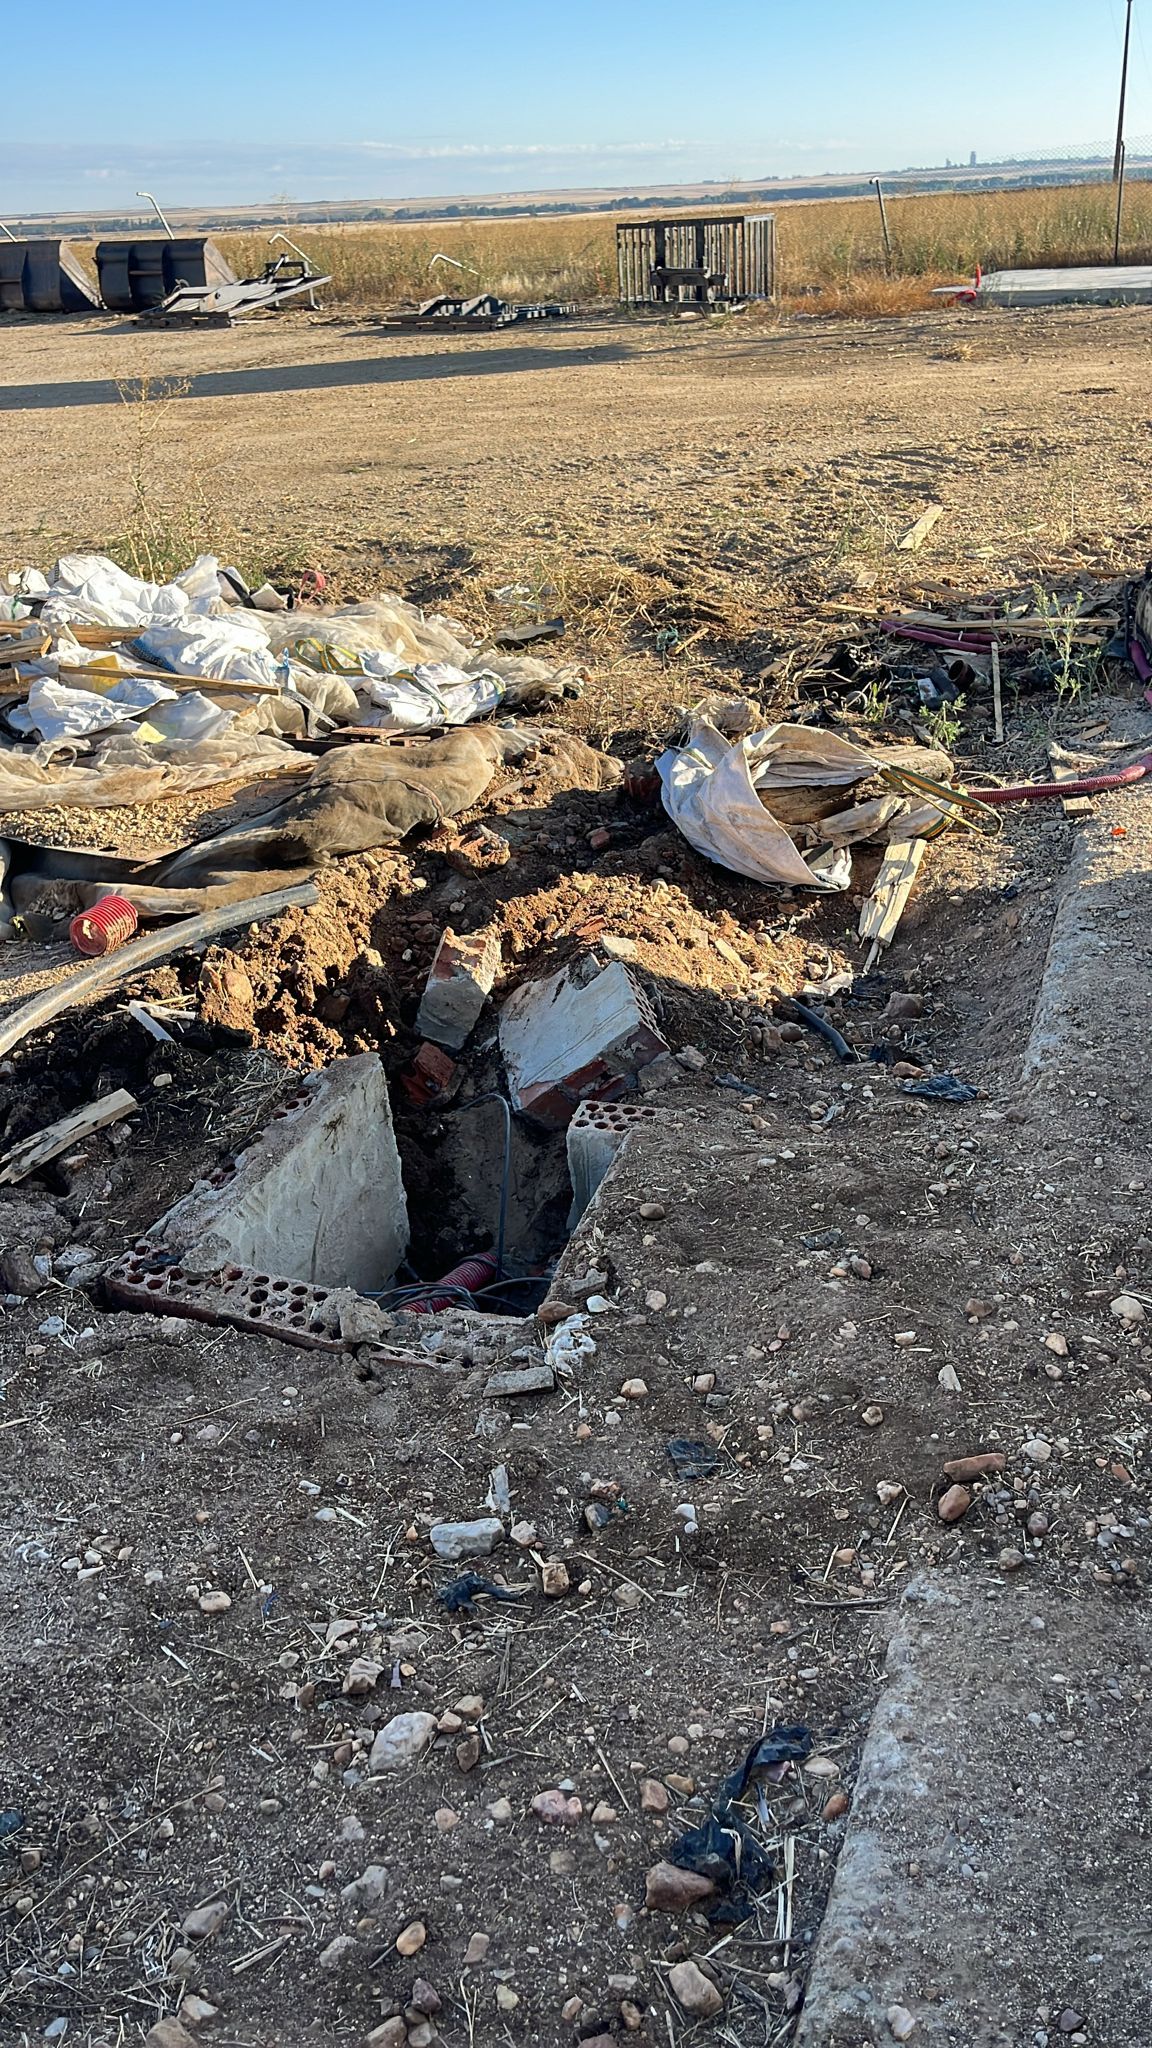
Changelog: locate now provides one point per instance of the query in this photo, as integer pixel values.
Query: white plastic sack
(229, 649)
(91, 590)
(431, 694)
(190, 719)
(710, 791)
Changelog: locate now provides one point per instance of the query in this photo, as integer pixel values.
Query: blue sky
(243, 102)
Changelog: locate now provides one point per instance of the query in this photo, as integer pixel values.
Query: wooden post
(1122, 158)
(997, 699)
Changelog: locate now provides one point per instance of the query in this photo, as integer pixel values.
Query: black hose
(816, 1022)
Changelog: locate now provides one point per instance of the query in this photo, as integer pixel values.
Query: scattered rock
(1011, 1560)
(872, 1416)
(628, 1597)
(205, 1921)
(367, 1890)
(216, 1602)
(1126, 1308)
(557, 1809)
(471, 1707)
(361, 1677)
(500, 1812)
(554, 1579)
(653, 1212)
(507, 2000)
(19, 1273)
(835, 1806)
(694, 1991)
(393, 2034)
(401, 1742)
(821, 1767)
(902, 1007)
(1070, 2021)
(668, 1889)
(635, 1390)
(901, 2024)
(603, 1815)
(477, 1950)
(977, 1310)
(197, 2012)
(343, 1954)
(1057, 1343)
(169, 2033)
(979, 1466)
(1038, 1449)
(468, 1753)
(654, 1797)
(455, 1540)
(425, 1996)
(954, 1504)
(411, 1939)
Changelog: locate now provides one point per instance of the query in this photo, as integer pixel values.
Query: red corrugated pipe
(471, 1274)
(1088, 785)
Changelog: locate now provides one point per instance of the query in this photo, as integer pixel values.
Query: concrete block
(318, 1197)
(595, 1136)
(583, 1032)
(459, 982)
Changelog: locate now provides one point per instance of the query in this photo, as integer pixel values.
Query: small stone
(603, 1815)
(654, 1797)
(182, 1964)
(694, 1991)
(445, 1819)
(981, 1465)
(904, 1339)
(628, 1597)
(1070, 2021)
(977, 1310)
(1011, 1560)
(901, 2024)
(468, 1753)
(421, 2033)
(655, 1299)
(635, 1390)
(167, 2033)
(1128, 1309)
(902, 1007)
(953, 1505)
(679, 1783)
(631, 2015)
(425, 1996)
(523, 1534)
(653, 1212)
(668, 1889)
(367, 1890)
(471, 1707)
(572, 2009)
(888, 1491)
(678, 1745)
(216, 1602)
(1037, 1526)
(393, 2034)
(1056, 1342)
(704, 1383)
(361, 1677)
(342, 1954)
(401, 1742)
(556, 1809)
(477, 1950)
(205, 1921)
(562, 1863)
(506, 1999)
(411, 1939)
(821, 1767)
(1037, 1449)
(455, 1540)
(197, 2012)
(554, 1579)
(872, 1416)
(835, 1806)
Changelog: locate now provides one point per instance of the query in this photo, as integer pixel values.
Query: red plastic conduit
(471, 1274)
(1088, 785)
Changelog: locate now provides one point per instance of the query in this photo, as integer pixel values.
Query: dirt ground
(830, 1285)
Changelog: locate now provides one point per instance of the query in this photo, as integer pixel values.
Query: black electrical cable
(494, 1095)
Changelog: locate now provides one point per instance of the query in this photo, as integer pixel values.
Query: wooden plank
(885, 906)
(918, 533)
(115, 968)
(22, 1159)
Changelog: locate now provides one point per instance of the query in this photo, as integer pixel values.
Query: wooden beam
(24, 1158)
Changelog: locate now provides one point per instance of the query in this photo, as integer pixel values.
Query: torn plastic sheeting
(940, 1088)
(123, 770)
(569, 1343)
(57, 712)
(431, 694)
(724, 1849)
(230, 649)
(692, 1460)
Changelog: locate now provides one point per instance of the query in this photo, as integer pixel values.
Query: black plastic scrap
(827, 1031)
(940, 1088)
(692, 1460)
(11, 1822)
(724, 1848)
(463, 1592)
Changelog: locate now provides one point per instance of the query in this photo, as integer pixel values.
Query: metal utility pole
(1117, 162)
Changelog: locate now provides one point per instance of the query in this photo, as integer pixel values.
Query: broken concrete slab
(318, 1197)
(520, 1379)
(459, 983)
(993, 1866)
(581, 1033)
